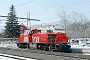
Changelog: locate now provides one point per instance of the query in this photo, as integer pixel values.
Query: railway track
(14, 57)
(39, 54)
(42, 55)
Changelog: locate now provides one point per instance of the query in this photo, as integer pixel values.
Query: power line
(24, 3)
(61, 7)
(76, 4)
(18, 21)
(22, 18)
(21, 4)
(46, 10)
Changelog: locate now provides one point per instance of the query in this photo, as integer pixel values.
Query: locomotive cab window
(49, 30)
(26, 31)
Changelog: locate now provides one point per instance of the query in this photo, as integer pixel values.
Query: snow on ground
(10, 44)
(74, 46)
(79, 46)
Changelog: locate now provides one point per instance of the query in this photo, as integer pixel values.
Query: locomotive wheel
(41, 47)
(17, 44)
(49, 48)
(37, 46)
(45, 48)
(28, 45)
(21, 46)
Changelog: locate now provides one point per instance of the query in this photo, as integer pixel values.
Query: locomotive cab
(26, 38)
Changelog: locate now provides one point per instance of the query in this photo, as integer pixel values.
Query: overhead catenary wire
(20, 5)
(46, 10)
(76, 4)
(20, 17)
(5, 20)
(24, 3)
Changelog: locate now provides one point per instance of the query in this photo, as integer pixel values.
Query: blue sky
(44, 10)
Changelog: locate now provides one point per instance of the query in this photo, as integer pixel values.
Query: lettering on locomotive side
(36, 39)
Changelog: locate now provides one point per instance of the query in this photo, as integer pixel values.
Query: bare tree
(76, 25)
(79, 27)
(88, 29)
(83, 25)
(64, 17)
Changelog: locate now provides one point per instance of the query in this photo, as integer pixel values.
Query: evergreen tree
(12, 25)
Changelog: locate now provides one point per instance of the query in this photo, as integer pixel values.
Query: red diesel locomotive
(44, 40)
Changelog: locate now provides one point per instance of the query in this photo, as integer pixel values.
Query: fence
(8, 41)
